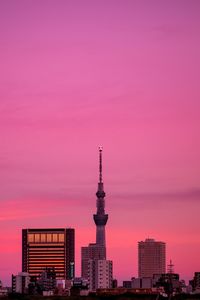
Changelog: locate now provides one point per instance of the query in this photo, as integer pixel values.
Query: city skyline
(123, 74)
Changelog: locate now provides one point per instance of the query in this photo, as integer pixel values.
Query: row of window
(46, 262)
(42, 267)
(46, 237)
(42, 251)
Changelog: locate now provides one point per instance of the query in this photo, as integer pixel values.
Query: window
(43, 238)
(37, 238)
(61, 237)
(49, 237)
(31, 238)
(55, 238)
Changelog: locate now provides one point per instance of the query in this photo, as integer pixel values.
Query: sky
(123, 74)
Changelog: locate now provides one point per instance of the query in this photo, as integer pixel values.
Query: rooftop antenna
(170, 267)
(100, 163)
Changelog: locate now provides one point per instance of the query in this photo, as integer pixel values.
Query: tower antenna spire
(100, 163)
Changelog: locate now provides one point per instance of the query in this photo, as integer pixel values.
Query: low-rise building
(195, 282)
(47, 279)
(127, 284)
(20, 283)
(79, 287)
(142, 283)
(3, 290)
(100, 274)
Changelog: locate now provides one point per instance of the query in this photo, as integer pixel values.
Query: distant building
(47, 280)
(136, 283)
(114, 283)
(151, 258)
(93, 251)
(99, 274)
(197, 280)
(195, 283)
(3, 290)
(169, 281)
(142, 283)
(79, 287)
(20, 283)
(48, 248)
(127, 284)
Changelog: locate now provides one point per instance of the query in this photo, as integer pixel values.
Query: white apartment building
(100, 274)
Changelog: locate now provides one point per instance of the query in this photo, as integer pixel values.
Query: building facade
(142, 283)
(20, 283)
(48, 248)
(100, 274)
(93, 251)
(151, 258)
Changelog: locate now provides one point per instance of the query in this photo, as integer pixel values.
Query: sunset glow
(122, 74)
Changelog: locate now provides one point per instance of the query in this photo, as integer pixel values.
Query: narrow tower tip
(100, 163)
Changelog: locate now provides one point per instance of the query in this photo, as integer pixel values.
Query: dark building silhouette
(48, 248)
(47, 280)
(195, 282)
(127, 284)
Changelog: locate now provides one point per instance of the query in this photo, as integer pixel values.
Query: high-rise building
(151, 258)
(94, 265)
(48, 248)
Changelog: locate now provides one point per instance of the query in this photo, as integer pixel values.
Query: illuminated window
(37, 238)
(55, 237)
(49, 238)
(61, 237)
(31, 238)
(43, 238)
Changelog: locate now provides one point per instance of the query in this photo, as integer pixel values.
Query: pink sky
(122, 74)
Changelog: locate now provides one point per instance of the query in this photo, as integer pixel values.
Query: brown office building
(53, 248)
(151, 258)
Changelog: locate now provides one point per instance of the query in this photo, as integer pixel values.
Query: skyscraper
(151, 258)
(94, 266)
(48, 248)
